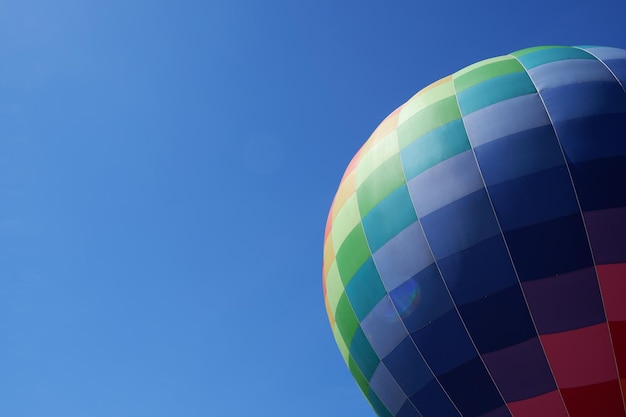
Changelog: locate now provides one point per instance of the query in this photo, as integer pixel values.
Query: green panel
(341, 344)
(425, 99)
(365, 290)
(345, 221)
(430, 118)
(380, 227)
(380, 184)
(358, 377)
(375, 157)
(352, 254)
(434, 147)
(378, 406)
(495, 90)
(544, 56)
(346, 320)
(334, 286)
(486, 72)
(363, 354)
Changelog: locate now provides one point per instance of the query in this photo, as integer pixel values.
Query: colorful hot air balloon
(475, 251)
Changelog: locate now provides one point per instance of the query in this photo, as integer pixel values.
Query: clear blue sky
(165, 172)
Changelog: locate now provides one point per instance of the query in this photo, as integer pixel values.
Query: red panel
(599, 400)
(618, 335)
(549, 405)
(581, 357)
(613, 286)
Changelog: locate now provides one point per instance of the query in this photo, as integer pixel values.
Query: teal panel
(434, 147)
(363, 354)
(377, 405)
(380, 227)
(543, 56)
(365, 289)
(495, 90)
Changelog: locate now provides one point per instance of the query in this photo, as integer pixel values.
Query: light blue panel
(445, 183)
(383, 328)
(556, 74)
(403, 256)
(505, 118)
(379, 226)
(387, 389)
(494, 90)
(605, 52)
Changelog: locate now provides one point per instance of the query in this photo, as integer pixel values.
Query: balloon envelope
(475, 251)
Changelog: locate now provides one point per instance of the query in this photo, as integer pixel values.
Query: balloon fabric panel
(478, 235)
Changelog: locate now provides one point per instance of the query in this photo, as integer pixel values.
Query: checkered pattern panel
(475, 252)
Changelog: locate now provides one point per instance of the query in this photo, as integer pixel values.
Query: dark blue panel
(600, 183)
(593, 137)
(535, 198)
(470, 387)
(431, 401)
(498, 321)
(519, 154)
(584, 99)
(422, 299)
(408, 367)
(408, 410)
(378, 406)
(549, 248)
(618, 67)
(460, 225)
(444, 343)
(478, 271)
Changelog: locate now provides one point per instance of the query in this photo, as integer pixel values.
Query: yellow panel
(381, 152)
(347, 188)
(345, 220)
(334, 287)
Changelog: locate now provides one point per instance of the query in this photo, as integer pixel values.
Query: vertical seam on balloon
(519, 282)
(605, 65)
(582, 217)
(394, 306)
(446, 285)
(501, 233)
(595, 267)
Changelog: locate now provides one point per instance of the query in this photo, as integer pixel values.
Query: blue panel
(550, 248)
(403, 256)
(544, 56)
(600, 183)
(422, 299)
(498, 321)
(377, 405)
(519, 154)
(478, 271)
(408, 410)
(593, 137)
(380, 227)
(505, 118)
(494, 90)
(444, 343)
(588, 99)
(470, 387)
(535, 198)
(445, 183)
(383, 327)
(618, 67)
(460, 225)
(365, 289)
(432, 401)
(386, 389)
(573, 71)
(408, 367)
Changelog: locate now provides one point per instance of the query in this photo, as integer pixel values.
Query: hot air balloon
(475, 250)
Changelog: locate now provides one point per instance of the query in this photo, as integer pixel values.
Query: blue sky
(165, 173)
